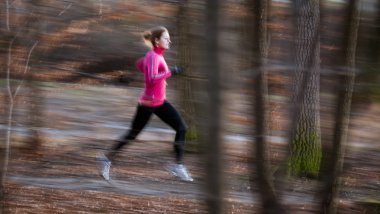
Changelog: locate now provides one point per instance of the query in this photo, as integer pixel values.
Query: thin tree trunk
(185, 51)
(375, 45)
(11, 96)
(346, 85)
(5, 157)
(370, 36)
(35, 111)
(7, 15)
(35, 28)
(214, 181)
(269, 200)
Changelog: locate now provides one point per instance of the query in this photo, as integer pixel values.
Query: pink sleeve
(152, 75)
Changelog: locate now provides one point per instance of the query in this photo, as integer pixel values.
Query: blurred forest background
(282, 100)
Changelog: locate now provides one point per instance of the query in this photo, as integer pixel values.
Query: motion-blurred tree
(185, 52)
(15, 35)
(34, 29)
(376, 37)
(212, 110)
(305, 139)
(345, 84)
(367, 89)
(13, 92)
(257, 27)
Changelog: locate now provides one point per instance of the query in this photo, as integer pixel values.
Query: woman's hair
(151, 35)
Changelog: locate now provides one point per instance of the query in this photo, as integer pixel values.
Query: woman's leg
(141, 118)
(170, 116)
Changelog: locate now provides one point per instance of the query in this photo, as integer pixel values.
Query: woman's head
(158, 37)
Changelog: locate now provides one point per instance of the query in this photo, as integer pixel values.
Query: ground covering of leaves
(60, 176)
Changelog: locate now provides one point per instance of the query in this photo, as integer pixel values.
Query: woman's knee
(181, 129)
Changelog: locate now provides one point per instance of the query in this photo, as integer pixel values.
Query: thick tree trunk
(305, 145)
(346, 85)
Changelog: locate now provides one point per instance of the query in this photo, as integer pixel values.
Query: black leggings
(167, 113)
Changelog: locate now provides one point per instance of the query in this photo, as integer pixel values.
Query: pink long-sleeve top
(155, 71)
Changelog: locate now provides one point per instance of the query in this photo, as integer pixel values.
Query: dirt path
(62, 176)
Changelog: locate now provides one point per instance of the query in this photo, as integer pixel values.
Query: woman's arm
(152, 75)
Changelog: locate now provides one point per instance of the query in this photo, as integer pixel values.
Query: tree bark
(305, 140)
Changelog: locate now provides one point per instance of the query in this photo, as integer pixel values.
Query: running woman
(153, 101)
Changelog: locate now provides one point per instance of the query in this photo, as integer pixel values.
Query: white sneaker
(180, 171)
(104, 165)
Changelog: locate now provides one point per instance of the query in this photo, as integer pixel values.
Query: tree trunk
(371, 35)
(34, 30)
(35, 115)
(305, 145)
(269, 200)
(7, 141)
(212, 108)
(346, 85)
(376, 37)
(185, 52)
(13, 91)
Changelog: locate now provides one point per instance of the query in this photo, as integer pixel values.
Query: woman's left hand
(177, 70)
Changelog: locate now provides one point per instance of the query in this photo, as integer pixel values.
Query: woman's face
(164, 41)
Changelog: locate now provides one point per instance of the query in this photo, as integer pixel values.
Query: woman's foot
(180, 171)
(104, 166)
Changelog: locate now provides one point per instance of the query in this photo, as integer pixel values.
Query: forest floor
(61, 175)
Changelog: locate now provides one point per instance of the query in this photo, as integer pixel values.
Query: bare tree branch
(65, 9)
(11, 104)
(26, 67)
(10, 113)
(9, 69)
